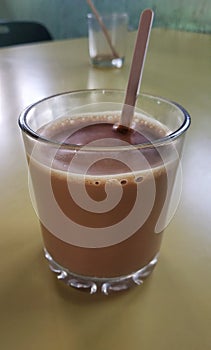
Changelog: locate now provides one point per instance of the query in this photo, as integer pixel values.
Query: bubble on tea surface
(139, 179)
(123, 182)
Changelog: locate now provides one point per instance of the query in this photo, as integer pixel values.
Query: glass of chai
(103, 197)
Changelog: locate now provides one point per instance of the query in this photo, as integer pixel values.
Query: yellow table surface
(172, 310)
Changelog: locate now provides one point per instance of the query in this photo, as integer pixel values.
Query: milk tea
(99, 195)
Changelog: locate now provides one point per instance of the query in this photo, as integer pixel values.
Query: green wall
(67, 18)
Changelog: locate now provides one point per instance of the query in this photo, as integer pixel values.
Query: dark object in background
(22, 32)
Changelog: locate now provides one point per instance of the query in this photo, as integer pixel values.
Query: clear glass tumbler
(103, 197)
(107, 39)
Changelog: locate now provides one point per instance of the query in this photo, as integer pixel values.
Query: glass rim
(22, 122)
(108, 15)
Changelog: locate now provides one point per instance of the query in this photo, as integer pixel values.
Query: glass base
(103, 285)
(103, 62)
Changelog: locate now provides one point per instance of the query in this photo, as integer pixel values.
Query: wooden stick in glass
(136, 69)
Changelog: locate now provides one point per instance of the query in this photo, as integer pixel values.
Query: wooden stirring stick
(104, 29)
(136, 70)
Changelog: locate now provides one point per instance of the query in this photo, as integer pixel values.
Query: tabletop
(172, 310)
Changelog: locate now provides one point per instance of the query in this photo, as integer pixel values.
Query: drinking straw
(104, 29)
(136, 70)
